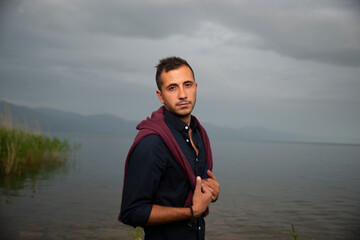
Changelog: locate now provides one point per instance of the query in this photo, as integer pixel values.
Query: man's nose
(182, 93)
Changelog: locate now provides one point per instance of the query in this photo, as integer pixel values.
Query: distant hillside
(68, 122)
(254, 133)
(53, 121)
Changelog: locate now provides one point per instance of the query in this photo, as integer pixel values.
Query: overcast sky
(285, 65)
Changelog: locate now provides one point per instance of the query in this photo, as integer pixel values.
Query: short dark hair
(168, 64)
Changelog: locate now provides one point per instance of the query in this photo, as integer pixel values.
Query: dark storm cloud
(322, 31)
(149, 19)
(266, 63)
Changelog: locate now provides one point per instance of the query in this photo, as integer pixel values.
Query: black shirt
(154, 177)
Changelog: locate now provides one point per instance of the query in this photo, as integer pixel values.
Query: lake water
(265, 187)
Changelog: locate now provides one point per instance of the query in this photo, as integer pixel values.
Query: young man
(168, 183)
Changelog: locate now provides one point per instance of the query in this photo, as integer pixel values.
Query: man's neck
(186, 119)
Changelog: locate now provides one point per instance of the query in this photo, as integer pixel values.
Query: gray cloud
(288, 65)
(325, 31)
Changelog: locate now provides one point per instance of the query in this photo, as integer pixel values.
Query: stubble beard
(178, 113)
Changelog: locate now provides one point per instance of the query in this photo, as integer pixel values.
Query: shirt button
(199, 227)
(186, 127)
(196, 159)
(187, 140)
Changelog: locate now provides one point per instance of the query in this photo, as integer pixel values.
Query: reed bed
(22, 149)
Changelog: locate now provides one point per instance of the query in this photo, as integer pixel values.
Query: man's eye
(172, 88)
(188, 84)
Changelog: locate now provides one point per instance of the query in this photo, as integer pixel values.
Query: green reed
(22, 149)
(136, 234)
(293, 233)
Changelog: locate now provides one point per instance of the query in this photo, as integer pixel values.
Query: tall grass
(293, 233)
(136, 234)
(22, 149)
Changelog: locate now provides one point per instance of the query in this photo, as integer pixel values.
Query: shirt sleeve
(146, 165)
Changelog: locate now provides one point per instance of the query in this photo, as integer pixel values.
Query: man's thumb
(198, 183)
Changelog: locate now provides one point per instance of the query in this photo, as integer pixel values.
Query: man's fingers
(212, 184)
(211, 175)
(203, 187)
(208, 183)
(206, 190)
(209, 189)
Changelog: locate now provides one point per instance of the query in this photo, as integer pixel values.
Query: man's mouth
(183, 104)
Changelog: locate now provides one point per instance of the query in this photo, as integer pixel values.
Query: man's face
(178, 91)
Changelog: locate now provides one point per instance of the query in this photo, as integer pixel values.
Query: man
(168, 183)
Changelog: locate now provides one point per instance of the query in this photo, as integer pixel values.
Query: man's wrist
(191, 214)
(197, 213)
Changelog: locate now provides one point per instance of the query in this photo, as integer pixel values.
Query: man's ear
(158, 92)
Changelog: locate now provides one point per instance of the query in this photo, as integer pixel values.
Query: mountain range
(57, 121)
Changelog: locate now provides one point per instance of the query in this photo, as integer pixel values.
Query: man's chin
(183, 113)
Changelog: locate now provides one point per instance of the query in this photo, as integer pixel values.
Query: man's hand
(203, 195)
(202, 198)
(213, 185)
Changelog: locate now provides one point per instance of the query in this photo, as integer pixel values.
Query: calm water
(265, 187)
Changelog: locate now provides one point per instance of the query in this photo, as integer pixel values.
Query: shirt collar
(178, 124)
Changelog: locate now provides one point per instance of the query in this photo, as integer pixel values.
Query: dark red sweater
(156, 125)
